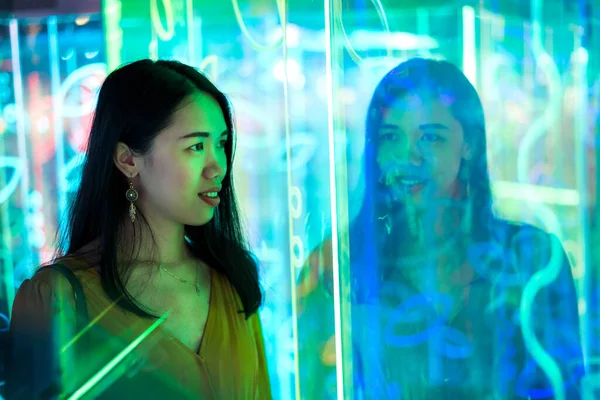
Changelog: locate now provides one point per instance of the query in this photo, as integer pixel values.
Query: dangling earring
(464, 174)
(132, 195)
(388, 223)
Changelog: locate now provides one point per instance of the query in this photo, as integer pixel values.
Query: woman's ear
(126, 161)
(467, 152)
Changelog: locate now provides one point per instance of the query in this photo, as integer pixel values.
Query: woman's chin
(201, 220)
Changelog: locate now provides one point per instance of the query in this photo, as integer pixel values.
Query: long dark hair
(370, 240)
(135, 103)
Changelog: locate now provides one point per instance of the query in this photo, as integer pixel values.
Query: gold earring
(132, 195)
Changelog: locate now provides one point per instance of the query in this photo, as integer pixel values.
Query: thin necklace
(196, 285)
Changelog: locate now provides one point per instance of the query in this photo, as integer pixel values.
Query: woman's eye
(431, 137)
(223, 143)
(197, 147)
(388, 136)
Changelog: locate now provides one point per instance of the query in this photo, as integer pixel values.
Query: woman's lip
(416, 188)
(211, 190)
(211, 201)
(413, 187)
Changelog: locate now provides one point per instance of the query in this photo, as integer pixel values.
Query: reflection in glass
(439, 283)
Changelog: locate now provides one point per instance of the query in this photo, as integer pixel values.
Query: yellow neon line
(79, 393)
(535, 193)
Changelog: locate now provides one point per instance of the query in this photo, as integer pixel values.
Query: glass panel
(276, 86)
(468, 237)
(385, 276)
(51, 69)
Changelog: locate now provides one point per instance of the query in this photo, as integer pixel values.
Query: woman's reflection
(437, 279)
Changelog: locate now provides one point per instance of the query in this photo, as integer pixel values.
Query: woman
(155, 239)
(436, 279)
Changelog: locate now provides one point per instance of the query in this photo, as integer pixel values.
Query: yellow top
(231, 362)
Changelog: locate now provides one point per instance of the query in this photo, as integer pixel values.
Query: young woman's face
(420, 149)
(181, 177)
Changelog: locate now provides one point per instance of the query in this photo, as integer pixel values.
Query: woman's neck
(429, 229)
(153, 242)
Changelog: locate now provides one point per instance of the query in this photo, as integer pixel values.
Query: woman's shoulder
(518, 235)
(60, 268)
(530, 249)
(50, 289)
(54, 279)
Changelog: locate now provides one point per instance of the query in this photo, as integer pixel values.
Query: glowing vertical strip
(423, 27)
(548, 274)
(6, 256)
(282, 7)
(153, 47)
(343, 337)
(536, 27)
(581, 119)
(469, 46)
(57, 102)
(191, 39)
(339, 359)
(19, 108)
(113, 33)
